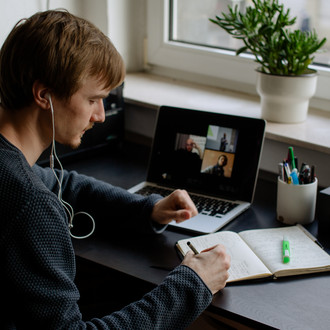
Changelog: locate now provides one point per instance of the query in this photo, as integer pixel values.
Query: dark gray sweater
(37, 258)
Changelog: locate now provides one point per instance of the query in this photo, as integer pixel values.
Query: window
(181, 38)
(189, 22)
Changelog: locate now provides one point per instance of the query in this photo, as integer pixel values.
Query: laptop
(214, 156)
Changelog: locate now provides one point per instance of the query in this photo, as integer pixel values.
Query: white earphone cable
(67, 206)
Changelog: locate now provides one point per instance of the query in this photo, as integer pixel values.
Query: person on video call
(218, 168)
(223, 142)
(190, 146)
(188, 159)
(55, 69)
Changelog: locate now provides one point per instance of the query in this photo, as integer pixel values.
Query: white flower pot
(285, 99)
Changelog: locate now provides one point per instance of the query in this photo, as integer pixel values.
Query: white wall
(124, 21)
(14, 10)
(127, 26)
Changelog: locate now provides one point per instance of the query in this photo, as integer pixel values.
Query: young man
(55, 69)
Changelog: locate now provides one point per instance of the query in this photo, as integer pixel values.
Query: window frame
(215, 67)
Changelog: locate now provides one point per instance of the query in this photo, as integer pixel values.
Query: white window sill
(154, 91)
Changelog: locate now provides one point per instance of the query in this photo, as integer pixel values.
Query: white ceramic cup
(296, 203)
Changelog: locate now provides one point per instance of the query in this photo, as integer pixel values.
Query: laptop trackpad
(202, 223)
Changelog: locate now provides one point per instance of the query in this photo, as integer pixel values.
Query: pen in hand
(192, 247)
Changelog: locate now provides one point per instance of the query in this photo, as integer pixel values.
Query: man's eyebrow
(100, 96)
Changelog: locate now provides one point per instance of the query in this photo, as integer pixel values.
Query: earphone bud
(47, 95)
(66, 205)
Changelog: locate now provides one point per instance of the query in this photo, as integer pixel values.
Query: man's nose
(99, 113)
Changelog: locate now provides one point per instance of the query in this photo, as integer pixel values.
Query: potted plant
(284, 57)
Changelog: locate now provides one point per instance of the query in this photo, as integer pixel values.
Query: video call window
(213, 154)
(219, 154)
(191, 143)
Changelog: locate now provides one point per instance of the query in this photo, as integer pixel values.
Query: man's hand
(211, 265)
(177, 206)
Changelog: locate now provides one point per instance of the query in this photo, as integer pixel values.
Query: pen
(285, 177)
(286, 251)
(294, 176)
(287, 172)
(192, 247)
(301, 173)
(281, 171)
(293, 165)
(306, 174)
(296, 162)
(312, 179)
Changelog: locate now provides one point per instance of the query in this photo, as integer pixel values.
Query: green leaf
(241, 50)
(264, 30)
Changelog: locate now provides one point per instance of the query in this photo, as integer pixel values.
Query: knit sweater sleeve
(174, 304)
(38, 263)
(112, 207)
(43, 278)
(40, 266)
(177, 301)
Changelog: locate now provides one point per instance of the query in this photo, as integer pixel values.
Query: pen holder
(296, 203)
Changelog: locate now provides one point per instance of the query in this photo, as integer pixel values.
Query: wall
(141, 120)
(127, 26)
(274, 152)
(14, 10)
(125, 22)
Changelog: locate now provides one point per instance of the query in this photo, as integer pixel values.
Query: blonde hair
(60, 50)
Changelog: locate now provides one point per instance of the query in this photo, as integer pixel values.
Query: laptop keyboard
(204, 205)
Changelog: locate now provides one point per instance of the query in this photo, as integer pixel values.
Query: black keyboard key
(204, 205)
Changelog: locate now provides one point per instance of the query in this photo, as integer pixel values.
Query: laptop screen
(205, 152)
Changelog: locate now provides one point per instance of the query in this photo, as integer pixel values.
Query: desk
(300, 302)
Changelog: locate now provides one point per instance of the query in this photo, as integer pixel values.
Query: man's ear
(41, 95)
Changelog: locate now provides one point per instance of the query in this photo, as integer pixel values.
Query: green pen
(286, 251)
(291, 158)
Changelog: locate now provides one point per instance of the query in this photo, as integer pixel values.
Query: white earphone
(66, 205)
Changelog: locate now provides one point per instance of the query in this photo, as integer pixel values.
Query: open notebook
(214, 156)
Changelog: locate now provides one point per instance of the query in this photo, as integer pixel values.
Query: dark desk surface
(299, 302)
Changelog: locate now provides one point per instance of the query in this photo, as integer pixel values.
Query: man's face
(189, 145)
(221, 161)
(74, 117)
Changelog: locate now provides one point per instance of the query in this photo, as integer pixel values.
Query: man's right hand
(211, 265)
